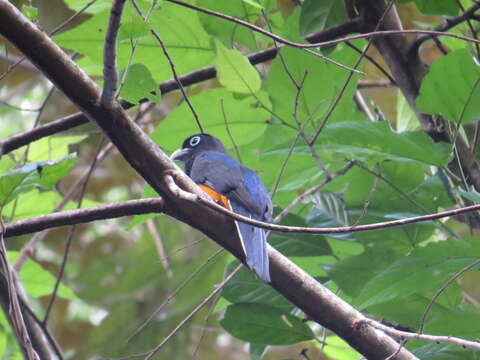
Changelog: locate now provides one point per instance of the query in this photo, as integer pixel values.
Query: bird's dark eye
(194, 141)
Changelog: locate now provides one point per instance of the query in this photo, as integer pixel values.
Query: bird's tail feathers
(254, 244)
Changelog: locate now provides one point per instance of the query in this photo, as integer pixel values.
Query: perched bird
(234, 186)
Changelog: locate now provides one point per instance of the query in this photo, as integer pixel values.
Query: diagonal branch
(149, 161)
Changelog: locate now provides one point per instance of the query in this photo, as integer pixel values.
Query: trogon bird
(236, 187)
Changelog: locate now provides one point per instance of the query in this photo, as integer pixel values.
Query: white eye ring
(194, 141)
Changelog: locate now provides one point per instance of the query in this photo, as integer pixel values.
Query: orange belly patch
(221, 199)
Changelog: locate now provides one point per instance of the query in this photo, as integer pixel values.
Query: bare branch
(181, 194)
(193, 312)
(449, 23)
(110, 75)
(320, 44)
(80, 216)
(416, 336)
(13, 309)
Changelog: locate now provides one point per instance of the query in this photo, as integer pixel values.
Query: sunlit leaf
(38, 281)
(235, 72)
(42, 174)
(139, 84)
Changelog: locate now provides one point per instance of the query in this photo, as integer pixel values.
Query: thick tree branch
(80, 216)
(144, 156)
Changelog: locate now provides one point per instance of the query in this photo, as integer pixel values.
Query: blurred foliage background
(120, 272)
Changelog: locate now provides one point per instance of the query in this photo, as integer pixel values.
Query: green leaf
(337, 348)
(32, 203)
(329, 211)
(253, 3)
(317, 15)
(42, 174)
(30, 11)
(366, 140)
(443, 351)
(38, 281)
(187, 42)
(316, 96)
(235, 72)
(257, 351)
(365, 266)
(52, 147)
(471, 194)
(229, 32)
(424, 270)
(96, 7)
(245, 119)
(3, 342)
(291, 244)
(133, 27)
(264, 324)
(139, 84)
(438, 7)
(406, 118)
(244, 287)
(452, 88)
(148, 192)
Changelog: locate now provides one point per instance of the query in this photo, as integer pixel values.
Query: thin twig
(449, 23)
(134, 44)
(181, 194)
(324, 43)
(174, 72)
(416, 336)
(174, 293)
(442, 289)
(334, 104)
(14, 310)
(162, 254)
(227, 127)
(311, 191)
(194, 311)
(71, 234)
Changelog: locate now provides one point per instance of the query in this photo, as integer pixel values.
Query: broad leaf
(244, 287)
(38, 281)
(317, 15)
(139, 84)
(367, 140)
(264, 324)
(292, 244)
(244, 119)
(424, 270)
(452, 88)
(235, 72)
(42, 174)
